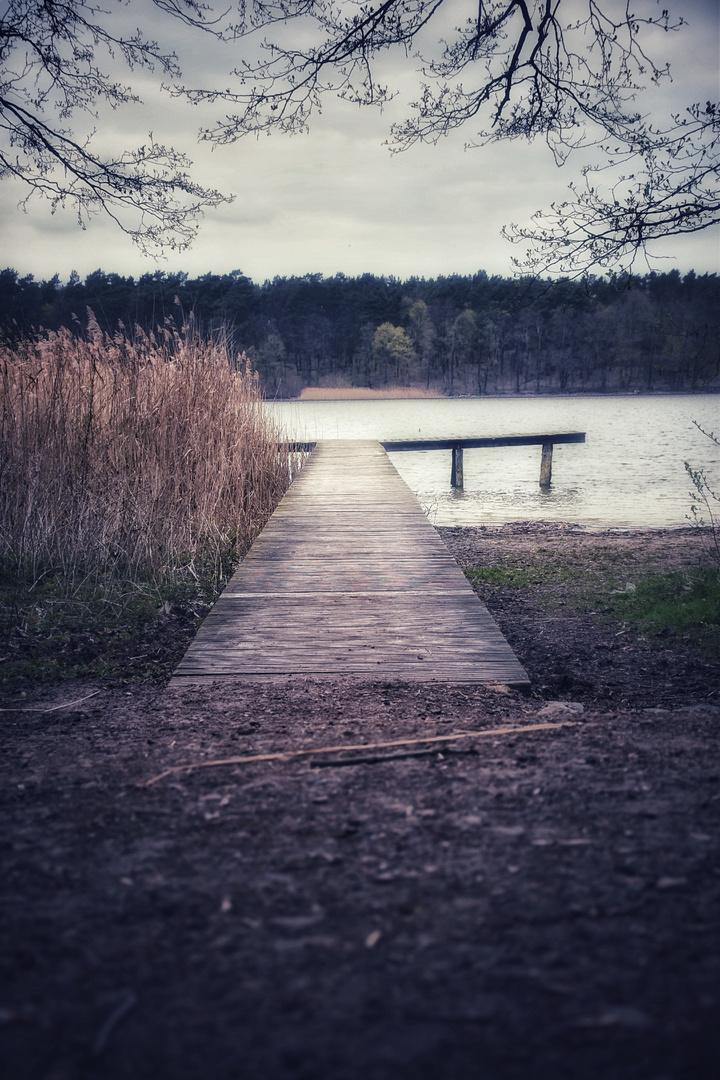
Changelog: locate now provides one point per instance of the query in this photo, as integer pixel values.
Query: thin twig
(54, 708)
(127, 1002)
(280, 754)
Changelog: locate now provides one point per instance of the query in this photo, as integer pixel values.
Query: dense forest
(458, 335)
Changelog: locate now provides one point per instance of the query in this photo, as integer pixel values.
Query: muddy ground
(504, 904)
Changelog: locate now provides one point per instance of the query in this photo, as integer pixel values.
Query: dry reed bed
(365, 393)
(143, 459)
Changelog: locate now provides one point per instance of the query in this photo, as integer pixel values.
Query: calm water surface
(628, 474)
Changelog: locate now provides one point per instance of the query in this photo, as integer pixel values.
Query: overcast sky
(336, 200)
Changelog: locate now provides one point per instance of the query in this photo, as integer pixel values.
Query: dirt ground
(563, 628)
(509, 902)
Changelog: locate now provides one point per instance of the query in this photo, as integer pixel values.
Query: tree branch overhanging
(571, 72)
(53, 57)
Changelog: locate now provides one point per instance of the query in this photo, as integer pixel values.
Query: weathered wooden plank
(350, 578)
(546, 465)
(456, 471)
(469, 444)
(458, 445)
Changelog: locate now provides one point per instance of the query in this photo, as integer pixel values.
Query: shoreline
(308, 394)
(543, 526)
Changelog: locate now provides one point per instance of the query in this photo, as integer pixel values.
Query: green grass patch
(508, 577)
(57, 626)
(549, 573)
(680, 604)
(683, 603)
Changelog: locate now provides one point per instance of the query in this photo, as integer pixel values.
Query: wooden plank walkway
(350, 578)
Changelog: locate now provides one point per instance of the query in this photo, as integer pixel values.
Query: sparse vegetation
(511, 577)
(625, 588)
(686, 604)
(705, 510)
(135, 472)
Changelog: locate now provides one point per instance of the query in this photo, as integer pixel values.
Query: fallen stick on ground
(377, 759)
(52, 708)
(280, 754)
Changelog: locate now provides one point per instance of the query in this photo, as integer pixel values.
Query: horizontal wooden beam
(470, 444)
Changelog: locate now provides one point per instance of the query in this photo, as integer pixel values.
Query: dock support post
(456, 473)
(546, 465)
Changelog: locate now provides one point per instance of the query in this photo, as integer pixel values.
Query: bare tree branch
(567, 71)
(50, 74)
(667, 184)
(571, 72)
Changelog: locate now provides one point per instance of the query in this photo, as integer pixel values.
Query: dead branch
(54, 708)
(287, 754)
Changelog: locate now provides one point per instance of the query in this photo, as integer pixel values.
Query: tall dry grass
(142, 460)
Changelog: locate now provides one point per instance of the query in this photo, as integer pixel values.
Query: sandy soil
(525, 903)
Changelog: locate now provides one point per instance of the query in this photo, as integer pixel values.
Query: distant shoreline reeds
(365, 393)
(130, 464)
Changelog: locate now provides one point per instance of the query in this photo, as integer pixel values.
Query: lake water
(628, 474)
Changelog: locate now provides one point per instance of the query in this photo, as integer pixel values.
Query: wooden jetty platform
(547, 442)
(349, 578)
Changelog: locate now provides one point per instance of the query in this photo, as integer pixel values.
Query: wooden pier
(349, 578)
(547, 442)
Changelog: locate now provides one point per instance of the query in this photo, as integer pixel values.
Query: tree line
(460, 335)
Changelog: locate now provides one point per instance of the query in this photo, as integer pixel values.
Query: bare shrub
(705, 512)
